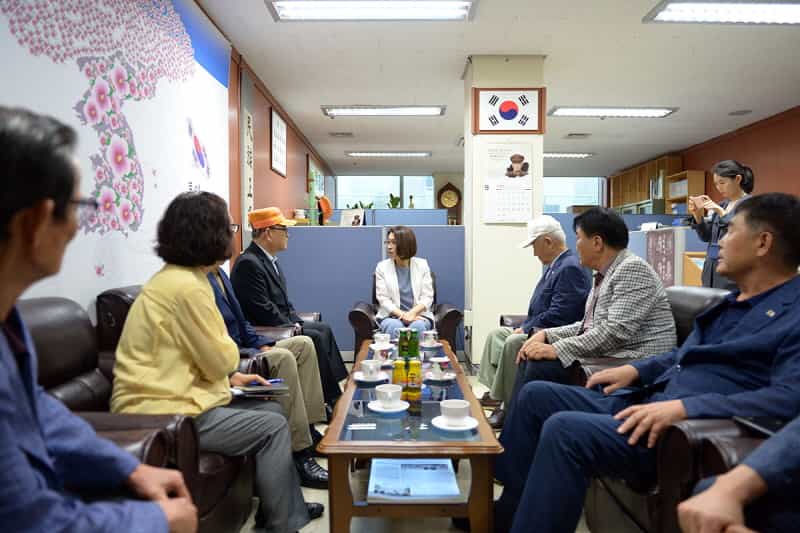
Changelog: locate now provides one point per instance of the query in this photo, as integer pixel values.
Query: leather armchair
(621, 506)
(70, 369)
(362, 317)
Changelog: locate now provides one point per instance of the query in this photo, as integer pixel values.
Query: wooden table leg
(481, 495)
(339, 496)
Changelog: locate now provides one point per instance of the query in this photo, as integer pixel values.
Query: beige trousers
(295, 361)
(498, 369)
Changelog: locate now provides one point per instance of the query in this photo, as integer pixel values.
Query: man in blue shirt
(43, 446)
(558, 299)
(742, 358)
(762, 491)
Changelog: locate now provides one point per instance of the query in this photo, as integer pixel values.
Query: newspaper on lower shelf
(413, 481)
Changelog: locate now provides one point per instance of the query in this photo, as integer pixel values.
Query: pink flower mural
(123, 48)
(125, 213)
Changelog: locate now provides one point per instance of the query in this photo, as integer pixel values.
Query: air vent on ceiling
(577, 135)
(740, 112)
(341, 134)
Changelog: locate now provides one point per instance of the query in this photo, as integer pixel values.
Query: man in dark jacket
(742, 358)
(260, 287)
(558, 300)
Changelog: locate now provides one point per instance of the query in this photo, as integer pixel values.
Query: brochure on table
(413, 481)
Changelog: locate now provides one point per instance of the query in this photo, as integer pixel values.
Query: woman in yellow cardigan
(175, 357)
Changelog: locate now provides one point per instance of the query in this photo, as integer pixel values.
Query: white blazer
(387, 289)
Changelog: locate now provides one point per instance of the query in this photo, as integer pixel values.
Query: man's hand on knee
(652, 418)
(614, 378)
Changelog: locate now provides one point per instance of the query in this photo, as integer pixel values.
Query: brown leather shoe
(487, 401)
(497, 418)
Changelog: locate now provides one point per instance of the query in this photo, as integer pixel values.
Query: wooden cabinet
(631, 189)
(682, 185)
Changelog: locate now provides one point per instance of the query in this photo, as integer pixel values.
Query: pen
(273, 381)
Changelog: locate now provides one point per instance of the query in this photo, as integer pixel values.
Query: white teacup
(454, 412)
(388, 394)
(384, 354)
(370, 368)
(429, 338)
(381, 339)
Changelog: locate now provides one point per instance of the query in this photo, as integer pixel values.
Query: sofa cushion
(64, 337)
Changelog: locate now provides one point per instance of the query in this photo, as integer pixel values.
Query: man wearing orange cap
(260, 286)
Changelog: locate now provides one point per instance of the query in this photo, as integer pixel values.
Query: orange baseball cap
(268, 216)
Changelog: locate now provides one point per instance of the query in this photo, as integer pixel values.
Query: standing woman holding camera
(734, 181)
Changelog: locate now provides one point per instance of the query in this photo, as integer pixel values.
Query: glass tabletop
(364, 424)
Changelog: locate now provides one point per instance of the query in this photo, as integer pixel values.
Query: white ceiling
(598, 53)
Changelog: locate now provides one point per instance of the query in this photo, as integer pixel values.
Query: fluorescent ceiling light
(383, 110)
(567, 155)
(726, 12)
(389, 154)
(613, 112)
(307, 10)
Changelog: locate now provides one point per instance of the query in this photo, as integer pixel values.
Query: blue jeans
(559, 437)
(391, 325)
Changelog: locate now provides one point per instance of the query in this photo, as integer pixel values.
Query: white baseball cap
(541, 225)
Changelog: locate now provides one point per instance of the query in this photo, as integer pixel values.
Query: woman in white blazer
(403, 285)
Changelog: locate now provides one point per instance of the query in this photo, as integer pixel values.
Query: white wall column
(500, 276)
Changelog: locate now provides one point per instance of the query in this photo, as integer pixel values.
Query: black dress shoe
(312, 475)
(461, 523)
(315, 510)
(497, 418)
(487, 401)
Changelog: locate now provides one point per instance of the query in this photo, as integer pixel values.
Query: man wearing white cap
(559, 299)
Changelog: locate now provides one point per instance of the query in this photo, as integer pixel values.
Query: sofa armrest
(258, 364)
(310, 316)
(276, 332)
(720, 454)
(679, 457)
(447, 318)
(512, 321)
(362, 318)
(150, 438)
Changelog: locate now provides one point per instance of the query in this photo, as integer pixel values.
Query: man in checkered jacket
(627, 314)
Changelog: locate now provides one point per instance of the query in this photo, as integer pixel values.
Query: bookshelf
(641, 189)
(678, 187)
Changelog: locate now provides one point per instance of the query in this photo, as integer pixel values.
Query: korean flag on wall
(514, 110)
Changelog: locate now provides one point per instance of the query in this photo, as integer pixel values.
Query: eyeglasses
(235, 228)
(387, 243)
(86, 202)
(280, 228)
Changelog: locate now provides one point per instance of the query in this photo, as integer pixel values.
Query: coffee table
(412, 437)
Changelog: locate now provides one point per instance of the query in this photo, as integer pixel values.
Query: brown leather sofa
(362, 317)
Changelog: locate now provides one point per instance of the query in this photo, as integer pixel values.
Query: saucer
(446, 376)
(443, 360)
(358, 375)
(376, 347)
(469, 423)
(377, 406)
(434, 346)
